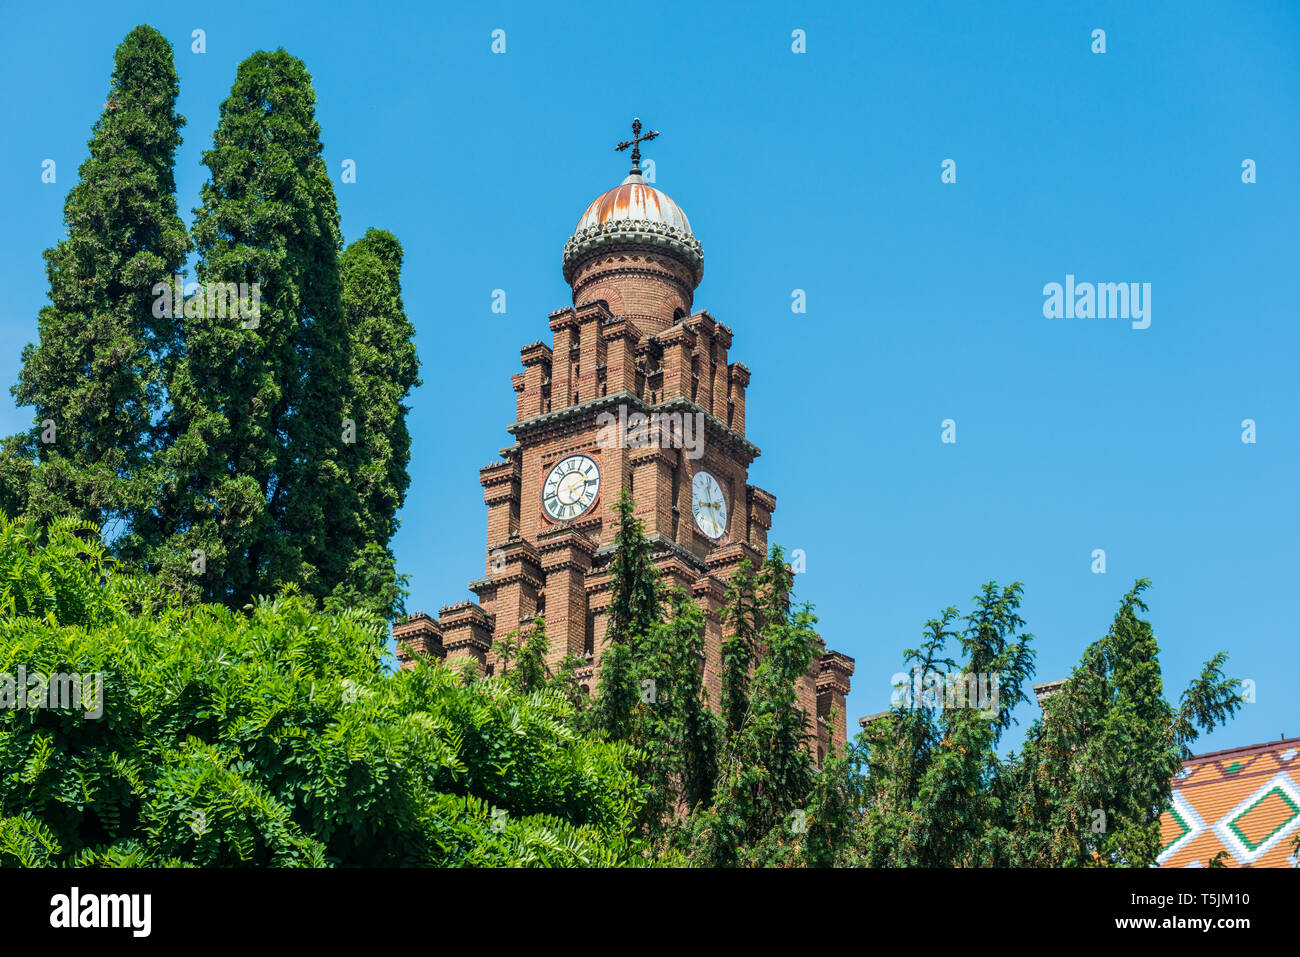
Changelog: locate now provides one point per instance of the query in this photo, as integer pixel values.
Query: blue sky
(821, 171)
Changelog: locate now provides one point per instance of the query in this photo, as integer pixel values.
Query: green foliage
(254, 473)
(521, 658)
(1093, 778)
(673, 730)
(1109, 742)
(652, 685)
(635, 607)
(637, 594)
(98, 371)
(932, 767)
(274, 737)
(834, 817)
(373, 584)
(741, 620)
(759, 813)
(212, 445)
(382, 371)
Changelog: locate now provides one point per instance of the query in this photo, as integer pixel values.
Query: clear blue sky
(821, 171)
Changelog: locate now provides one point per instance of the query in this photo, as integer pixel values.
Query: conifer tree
(740, 617)
(674, 730)
(766, 771)
(521, 658)
(651, 692)
(382, 371)
(96, 376)
(933, 775)
(634, 609)
(1096, 772)
(256, 485)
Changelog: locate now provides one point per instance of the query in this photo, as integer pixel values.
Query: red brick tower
(629, 346)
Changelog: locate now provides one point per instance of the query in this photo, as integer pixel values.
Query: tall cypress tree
(1096, 771)
(382, 371)
(96, 377)
(635, 598)
(1092, 779)
(652, 683)
(255, 478)
(675, 731)
(740, 616)
(765, 770)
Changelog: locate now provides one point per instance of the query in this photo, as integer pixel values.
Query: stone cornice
(635, 404)
(586, 312)
(565, 547)
(572, 412)
(416, 626)
(522, 576)
(633, 232)
(498, 473)
(722, 333)
(834, 669)
(462, 612)
(563, 319)
(660, 544)
(686, 405)
(708, 586)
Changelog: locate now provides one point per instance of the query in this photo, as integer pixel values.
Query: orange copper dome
(634, 199)
(634, 215)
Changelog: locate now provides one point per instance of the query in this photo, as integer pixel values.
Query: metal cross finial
(635, 142)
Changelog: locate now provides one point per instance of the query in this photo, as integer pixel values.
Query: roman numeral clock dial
(709, 505)
(570, 487)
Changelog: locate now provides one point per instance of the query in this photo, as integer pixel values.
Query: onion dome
(634, 213)
(634, 250)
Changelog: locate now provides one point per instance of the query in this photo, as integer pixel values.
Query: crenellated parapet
(466, 633)
(417, 634)
(834, 674)
(501, 489)
(760, 505)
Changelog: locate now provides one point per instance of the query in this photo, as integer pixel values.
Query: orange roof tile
(1242, 801)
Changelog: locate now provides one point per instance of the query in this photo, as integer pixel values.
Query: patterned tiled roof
(1245, 801)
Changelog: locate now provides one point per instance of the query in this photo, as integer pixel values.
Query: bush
(274, 736)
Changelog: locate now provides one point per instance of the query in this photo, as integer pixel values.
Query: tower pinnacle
(635, 142)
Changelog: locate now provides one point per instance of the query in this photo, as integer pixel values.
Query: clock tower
(635, 391)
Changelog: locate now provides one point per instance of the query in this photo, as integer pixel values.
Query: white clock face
(570, 487)
(709, 505)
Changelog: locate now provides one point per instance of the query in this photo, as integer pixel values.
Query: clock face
(709, 505)
(570, 487)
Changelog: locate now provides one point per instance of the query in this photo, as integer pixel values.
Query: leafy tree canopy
(275, 736)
